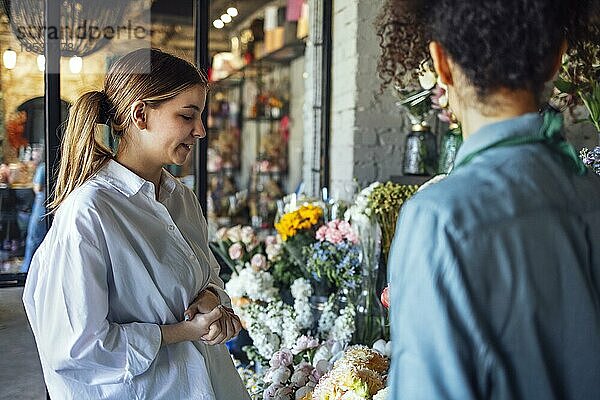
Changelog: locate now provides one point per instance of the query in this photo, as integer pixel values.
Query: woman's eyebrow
(195, 107)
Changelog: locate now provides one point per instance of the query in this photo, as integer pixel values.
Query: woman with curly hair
(495, 271)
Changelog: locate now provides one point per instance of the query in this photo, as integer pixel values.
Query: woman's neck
(503, 104)
(141, 167)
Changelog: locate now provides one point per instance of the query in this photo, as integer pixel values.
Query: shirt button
(171, 227)
(192, 256)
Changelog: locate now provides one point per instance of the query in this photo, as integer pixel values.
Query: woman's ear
(138, 114)
(441, 63)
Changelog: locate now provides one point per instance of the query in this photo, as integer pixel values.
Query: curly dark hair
(496, 43)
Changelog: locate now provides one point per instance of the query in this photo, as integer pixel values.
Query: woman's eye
(186, 117)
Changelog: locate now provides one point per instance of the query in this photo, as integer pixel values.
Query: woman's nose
(199, 131)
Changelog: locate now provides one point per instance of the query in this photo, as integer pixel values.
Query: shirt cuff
(222, 294)
(143, 344)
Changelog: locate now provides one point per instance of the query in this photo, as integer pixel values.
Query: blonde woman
(123, 295)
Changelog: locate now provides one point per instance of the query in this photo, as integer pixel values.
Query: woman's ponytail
(82, 154)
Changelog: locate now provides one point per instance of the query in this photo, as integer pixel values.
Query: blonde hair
(150, 75)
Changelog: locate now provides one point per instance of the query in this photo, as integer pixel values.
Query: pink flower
(304, 343)
(334, 236)
(352, 237)
(301, 374)
(333, 224)
(344, 227)
(253, 244)
(385, 297)
(270, 240)
(282, 357)
(259, 262)
(322, 232)
(278, 375)
(236, 251)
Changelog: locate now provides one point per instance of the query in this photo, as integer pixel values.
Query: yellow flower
(303, 218)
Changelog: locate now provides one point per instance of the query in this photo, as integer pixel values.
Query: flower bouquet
(334, 258)
(296, 230)
(360, 374)
(385, 202)
(293, 374)
(236, 246)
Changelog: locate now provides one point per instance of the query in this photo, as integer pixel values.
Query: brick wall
(367, 128)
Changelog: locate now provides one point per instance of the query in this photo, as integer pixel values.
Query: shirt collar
(519, 126)
(129, 183)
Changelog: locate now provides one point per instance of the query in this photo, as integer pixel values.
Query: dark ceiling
(169, 9)
(180, 12)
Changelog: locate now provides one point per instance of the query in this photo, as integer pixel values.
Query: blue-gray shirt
(495, 278)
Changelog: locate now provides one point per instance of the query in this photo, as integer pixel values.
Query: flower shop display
(307, 293)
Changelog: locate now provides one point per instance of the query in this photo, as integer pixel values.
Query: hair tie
(106, 110)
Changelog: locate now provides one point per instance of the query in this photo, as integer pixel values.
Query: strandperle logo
(86, 30)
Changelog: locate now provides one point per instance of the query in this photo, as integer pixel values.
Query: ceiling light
(232, 11)
(226, 18)
(217, 23)
(75, 64)
(9, 58)
(41, 63)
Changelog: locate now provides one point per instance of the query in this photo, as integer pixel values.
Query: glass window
(22, 171)
(255, 124)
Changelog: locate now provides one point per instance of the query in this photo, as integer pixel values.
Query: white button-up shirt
(114, 266)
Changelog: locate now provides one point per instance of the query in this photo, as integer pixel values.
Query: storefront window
(85, 59)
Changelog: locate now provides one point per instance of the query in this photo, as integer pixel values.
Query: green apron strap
(550, 134)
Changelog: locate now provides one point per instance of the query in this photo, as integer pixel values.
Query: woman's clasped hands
(218, 322)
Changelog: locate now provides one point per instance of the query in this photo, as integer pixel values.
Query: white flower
(352, 395)
(247, 235)
(235, 234)
(301, 289)
(343, 328)
(304, 343)
(327, 318)
(304, 316)
(221, 234)
(259, 262)
(278, 375)
(256, 285)
(273, 251)
(383, 394)
(379, 346)
(302, 392)
(322, 354)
